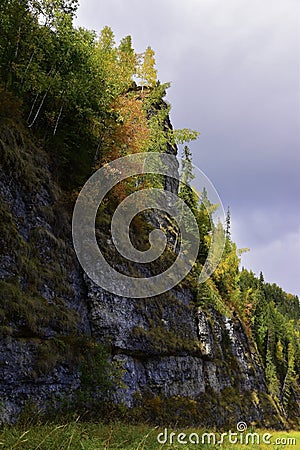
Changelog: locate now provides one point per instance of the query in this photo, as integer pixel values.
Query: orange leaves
(126, 133)
(132, 131)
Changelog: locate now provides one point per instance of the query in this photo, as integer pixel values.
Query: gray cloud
(234, 68)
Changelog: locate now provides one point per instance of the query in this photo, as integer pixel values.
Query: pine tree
(228, 224)
(261, 278)
(271, 375)
(290, 376)
(186, 193)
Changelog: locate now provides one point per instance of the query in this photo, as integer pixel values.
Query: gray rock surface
(167, 346)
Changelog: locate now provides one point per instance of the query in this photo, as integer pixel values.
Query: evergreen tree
(290, 377)
(186, 192)
(227, 231)
(261, 279)
(271, 375)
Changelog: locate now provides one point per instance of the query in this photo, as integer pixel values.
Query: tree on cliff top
(147, 71)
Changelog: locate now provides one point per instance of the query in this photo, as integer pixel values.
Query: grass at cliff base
(98, 436)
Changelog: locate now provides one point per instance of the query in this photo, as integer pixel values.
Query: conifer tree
(271, 375)
(261, 278)
(186, 192)
(290, 376)
(228, 224)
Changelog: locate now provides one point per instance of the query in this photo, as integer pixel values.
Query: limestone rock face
(42, 292)
(167, 346)
(170, 348)
(22, 385)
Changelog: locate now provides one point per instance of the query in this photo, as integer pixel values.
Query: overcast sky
(234, 69)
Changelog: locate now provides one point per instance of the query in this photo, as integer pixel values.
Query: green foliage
(30, 315)
(98, 375)
(270, 316)
(161, 341)
(10, 107)
(147, 71)
(128, 60)
(161, 132)
(160, 409)
(228, 224)
(208, 294)
(19, 156)
(183, 135)
(275, 328)
(70, 81)
(226, 275)
(271, 375)
(186, 193)
(73, 434)
(107, 40)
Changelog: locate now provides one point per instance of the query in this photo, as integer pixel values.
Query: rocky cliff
(42, 291)
(171, 349)
(173, 352)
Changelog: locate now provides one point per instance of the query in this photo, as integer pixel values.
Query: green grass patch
(75, 435)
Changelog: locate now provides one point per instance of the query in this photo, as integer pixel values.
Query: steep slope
(43, 313)
(172, 352)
